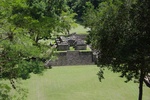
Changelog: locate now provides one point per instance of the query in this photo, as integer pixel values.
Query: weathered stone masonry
(79, 56)
(73, 58)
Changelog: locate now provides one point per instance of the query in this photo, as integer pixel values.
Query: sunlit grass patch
(80, 29)
(81, 83)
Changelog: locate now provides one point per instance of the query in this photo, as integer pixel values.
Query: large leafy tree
(121, 33)
(17, 49)
(37, 16)
(22, 24)
(80, 6)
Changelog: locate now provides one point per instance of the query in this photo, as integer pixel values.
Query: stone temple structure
(64, 43)
(79, 56)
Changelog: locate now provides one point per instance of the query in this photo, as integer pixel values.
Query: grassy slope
(81, 83)
(79, 29)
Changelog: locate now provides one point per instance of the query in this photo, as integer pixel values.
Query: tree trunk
(68, 32)
(141, 84)
(36, 39)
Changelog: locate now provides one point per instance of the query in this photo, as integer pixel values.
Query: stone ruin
(69, 57)
(63, 43)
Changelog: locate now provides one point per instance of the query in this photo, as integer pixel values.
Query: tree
(35, 16)
(67, 22)
(121, 34)
(22, 24)
(79, 6)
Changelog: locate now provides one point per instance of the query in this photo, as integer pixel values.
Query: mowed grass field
(81, 83)
(79, 29)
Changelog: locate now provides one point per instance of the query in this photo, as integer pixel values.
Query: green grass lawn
(81, 83)
(79, 29)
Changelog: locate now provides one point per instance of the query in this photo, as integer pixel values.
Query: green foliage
(4, 92)
(23, 23)
(80, 6)
(121, 34)
(67, 22)
(71, 48)
(29, 66)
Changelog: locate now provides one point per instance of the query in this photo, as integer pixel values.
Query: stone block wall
(81, 36)
(61, 59)
(80, 47)
(62, 47)
(73, 58)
